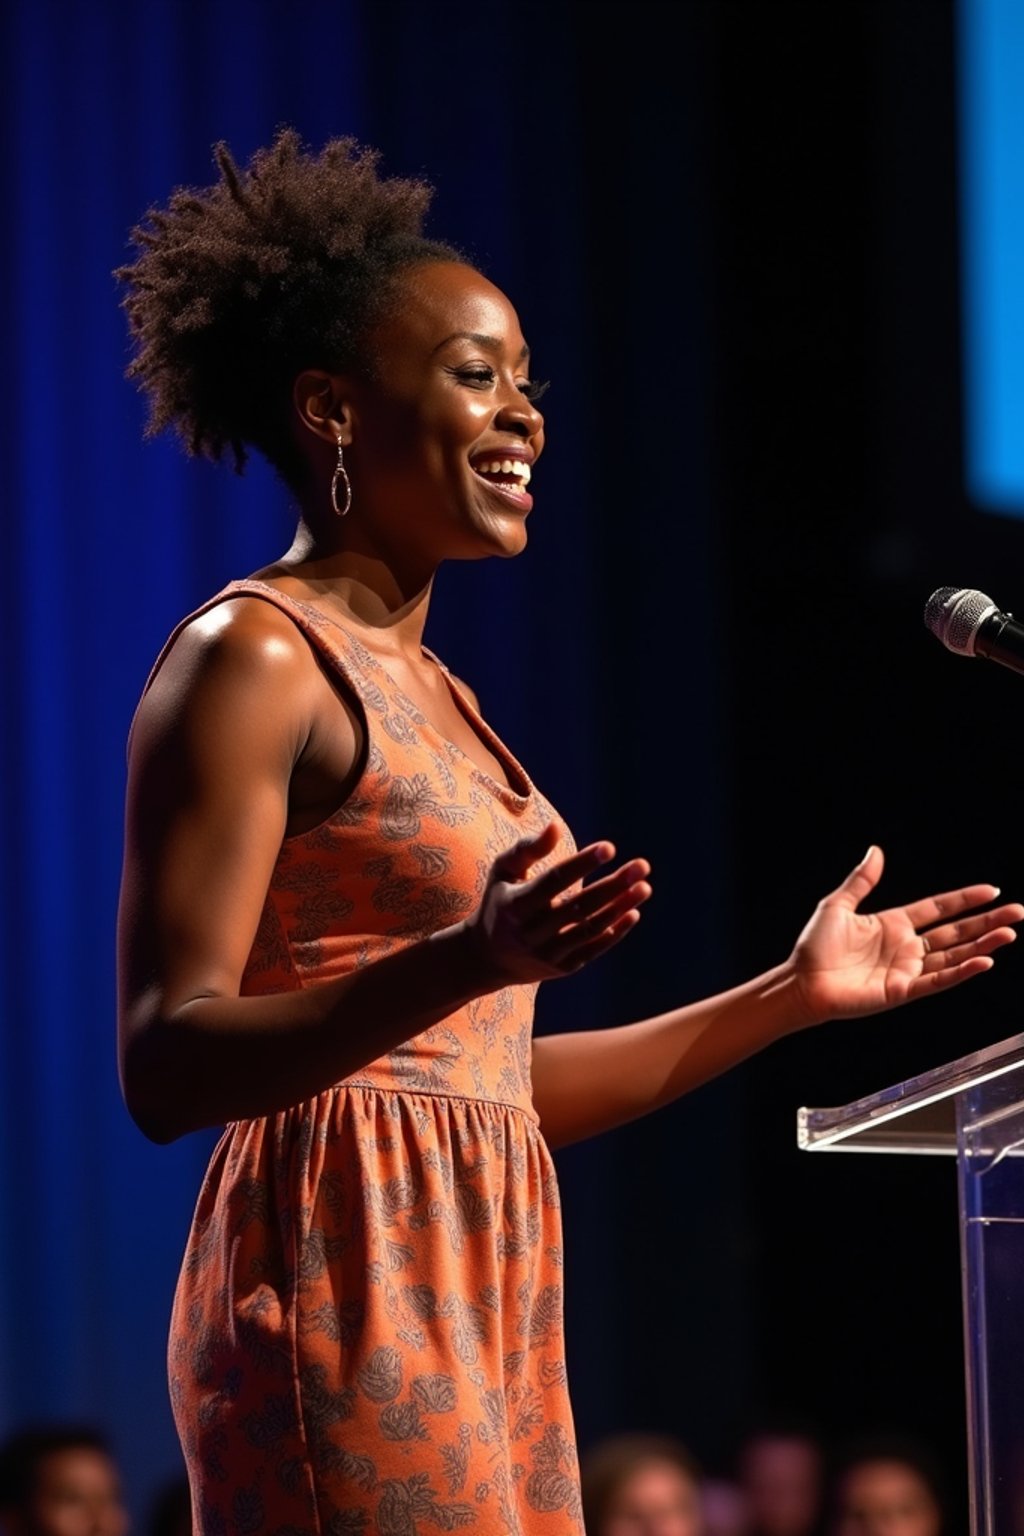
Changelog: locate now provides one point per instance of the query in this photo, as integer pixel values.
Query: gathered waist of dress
(482, 1052)
(366, 1083)
(447, 1068)
(363, 1094)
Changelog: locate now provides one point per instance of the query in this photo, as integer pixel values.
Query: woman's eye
(533, 389)
(485, 378)
(476, 375)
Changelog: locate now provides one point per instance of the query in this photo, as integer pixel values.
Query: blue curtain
(554, 137)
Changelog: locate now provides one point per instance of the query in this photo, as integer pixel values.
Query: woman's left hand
(847, 963)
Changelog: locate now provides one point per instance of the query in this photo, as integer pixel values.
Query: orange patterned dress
(367, 1331)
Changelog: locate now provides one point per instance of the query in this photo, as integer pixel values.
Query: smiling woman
(341, 891)
(341, 888)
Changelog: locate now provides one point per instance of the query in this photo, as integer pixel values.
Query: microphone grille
(954, 615)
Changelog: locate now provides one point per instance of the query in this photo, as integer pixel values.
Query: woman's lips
(522, 500)
(511, 486)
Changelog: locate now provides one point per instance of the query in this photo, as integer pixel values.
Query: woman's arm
(845, 964)
(216, 740)
(591, 1081)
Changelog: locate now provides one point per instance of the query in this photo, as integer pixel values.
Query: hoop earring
(341, 474)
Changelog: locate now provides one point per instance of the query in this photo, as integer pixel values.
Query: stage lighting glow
(991, 108)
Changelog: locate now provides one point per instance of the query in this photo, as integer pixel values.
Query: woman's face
(443, 434)
(886, 1498)
(658, 1499)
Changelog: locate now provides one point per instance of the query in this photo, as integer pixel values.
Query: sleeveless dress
(367, 1330)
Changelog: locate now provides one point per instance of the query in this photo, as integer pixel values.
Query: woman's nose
(520, 415)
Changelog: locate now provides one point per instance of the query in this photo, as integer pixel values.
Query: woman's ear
(321, 404)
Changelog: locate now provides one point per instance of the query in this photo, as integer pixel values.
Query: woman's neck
(360, 586)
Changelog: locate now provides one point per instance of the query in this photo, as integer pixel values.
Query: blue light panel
(991, 83)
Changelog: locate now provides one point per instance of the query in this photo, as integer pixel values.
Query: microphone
(970, 624)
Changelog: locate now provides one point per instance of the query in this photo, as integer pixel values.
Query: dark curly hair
(281, 266)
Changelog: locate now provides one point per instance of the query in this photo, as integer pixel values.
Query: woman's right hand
(535, 929)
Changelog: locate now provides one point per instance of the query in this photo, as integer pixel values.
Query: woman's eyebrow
(491, 343)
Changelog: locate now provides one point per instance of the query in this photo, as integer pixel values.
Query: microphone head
(955, 614)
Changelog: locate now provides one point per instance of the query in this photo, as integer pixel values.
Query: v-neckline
(513, 767)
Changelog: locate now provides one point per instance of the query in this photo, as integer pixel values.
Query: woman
(341, 891)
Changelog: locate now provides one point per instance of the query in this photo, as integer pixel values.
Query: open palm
(849, 963)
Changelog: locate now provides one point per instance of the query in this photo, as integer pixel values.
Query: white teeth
(516, 467)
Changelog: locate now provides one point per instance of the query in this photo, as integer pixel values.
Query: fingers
(932, 908)
(568, 871)
(606, 938)
(952, 942)
(947, 962)
(940, 981)
(949, 959)
(860, 882)
(564, 947)
(515, 863)
(589, 902)
(533, 929)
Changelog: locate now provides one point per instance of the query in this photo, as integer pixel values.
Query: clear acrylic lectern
(972, 1109)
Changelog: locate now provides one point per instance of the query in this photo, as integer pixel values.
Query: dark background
(731, 232)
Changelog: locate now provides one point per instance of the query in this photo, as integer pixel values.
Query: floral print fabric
(367, 1332)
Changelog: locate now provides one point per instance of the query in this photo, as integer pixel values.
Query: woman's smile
(506, 472)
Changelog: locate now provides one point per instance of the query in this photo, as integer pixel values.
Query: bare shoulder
(242, 651)
(241, 632)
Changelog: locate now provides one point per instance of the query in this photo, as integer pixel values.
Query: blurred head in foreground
(781, 1472)
(888, 1490)
(60, 1480)
(641, 1485)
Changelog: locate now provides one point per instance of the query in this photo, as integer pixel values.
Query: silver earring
(341, 474)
